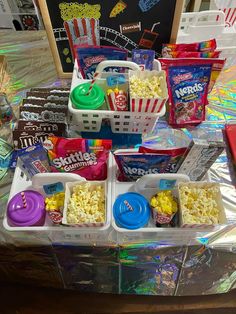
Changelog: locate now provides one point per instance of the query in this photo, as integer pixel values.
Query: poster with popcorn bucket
(69, 189)
(148, 91)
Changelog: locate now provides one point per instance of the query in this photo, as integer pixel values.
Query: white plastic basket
(205, 25)
(121, 121)
(148, 186)
(21, 183)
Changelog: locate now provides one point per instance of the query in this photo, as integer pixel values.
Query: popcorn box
(161, 219)
(199, 157)
(118, 101)
(68, 193)
(221, 217)
(148, 104)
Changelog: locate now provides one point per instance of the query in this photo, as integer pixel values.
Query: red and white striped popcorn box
(218, 199)
(68, 194)
(118, 101)
(149, 105)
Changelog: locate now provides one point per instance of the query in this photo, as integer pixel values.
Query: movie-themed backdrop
(126, 24)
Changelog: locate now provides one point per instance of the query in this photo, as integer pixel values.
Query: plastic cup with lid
(95, 100)
(131, 211)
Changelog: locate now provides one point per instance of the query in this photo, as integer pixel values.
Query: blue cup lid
(131, 211)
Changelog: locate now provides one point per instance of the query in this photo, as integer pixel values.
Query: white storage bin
(68, 192)
(21, 183)
(148, 186)
(121, 121)
(205, 25)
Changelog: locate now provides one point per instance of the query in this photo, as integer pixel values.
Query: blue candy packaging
(88, 57)
(144, 58)
(133, 165)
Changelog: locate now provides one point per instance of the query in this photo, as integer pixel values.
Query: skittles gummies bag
(87, 158)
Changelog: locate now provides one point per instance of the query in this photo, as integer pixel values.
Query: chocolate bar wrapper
(45, 103)
(23, 139)
(50, 90)
(34, 160)
(199, 157)
(43, 114)
(28, 126)
(51, 96)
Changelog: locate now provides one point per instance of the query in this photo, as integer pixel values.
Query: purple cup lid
(28, 213)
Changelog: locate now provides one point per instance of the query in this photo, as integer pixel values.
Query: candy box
(199, 157)
(148, 91)
(200, 205)
(85, 203)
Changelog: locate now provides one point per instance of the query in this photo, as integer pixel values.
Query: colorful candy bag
(144, 58)
(187, 81)
(34, 159)
(208, 45)
(89, 57)
(175, 154)
(193, 54)
(87, 158)
(133, 165)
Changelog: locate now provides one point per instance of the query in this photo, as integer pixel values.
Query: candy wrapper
(193, 54)
(87, 158)
(144, 58)
(89, 57)
(34, 160)
(175, 153)
(187, 81)
(208, 45)
(148, 91)
(133, 165)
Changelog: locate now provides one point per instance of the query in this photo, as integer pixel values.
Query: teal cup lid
(131, 211)
(81, 100)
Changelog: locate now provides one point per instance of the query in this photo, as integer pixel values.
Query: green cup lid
(81, 100)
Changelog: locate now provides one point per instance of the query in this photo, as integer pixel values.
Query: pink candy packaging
(87, 158)
(187, 81)
(208, 45)
(193, 54)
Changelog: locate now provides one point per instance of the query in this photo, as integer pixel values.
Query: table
(105, 265)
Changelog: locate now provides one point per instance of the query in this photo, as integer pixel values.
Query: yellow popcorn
(164, 203)
(146, 88)
(87, 204)
(55, 202)
(199, 205)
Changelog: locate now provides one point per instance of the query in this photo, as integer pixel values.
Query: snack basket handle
(200, 16)
(41, 179)
(116, 63)
(149, 181)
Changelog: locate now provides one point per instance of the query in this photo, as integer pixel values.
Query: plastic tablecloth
(96, 263)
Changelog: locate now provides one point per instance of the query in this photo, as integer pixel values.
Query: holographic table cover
(149, 266)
